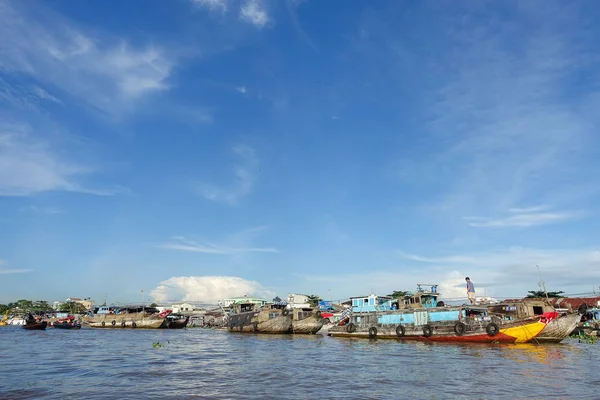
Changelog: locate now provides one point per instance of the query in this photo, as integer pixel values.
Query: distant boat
(306, 321)
(175, 322)
(252, 318)
(67, 323)
(35, 326)
(127, 318)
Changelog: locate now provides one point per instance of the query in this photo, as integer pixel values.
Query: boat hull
(38, 326)
(509, 333)
(264, 321)
(59, 325)
(126, 321)
(310, 325)
(558, 329)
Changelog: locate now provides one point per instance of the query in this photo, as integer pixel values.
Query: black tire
(327, 321)
(255, 326)
(318, 314)
(492, 329)
(400, 331)
(123, 324)
(596, 326)
(133, 325)
(285, 313)
(103, 323)
(460, 328)
(372, 332)
(113, 323)
(350, 328)
(441, 304)
(582, 309)
(427, 331)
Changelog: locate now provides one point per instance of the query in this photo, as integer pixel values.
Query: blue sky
(197, 149)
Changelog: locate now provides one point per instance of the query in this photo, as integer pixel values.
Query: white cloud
(5, 271)
(106, 73)
(206, 289)
(241, 89)
(212, 5)
(254, 12)
(29, 166)
(245, 176)
(181, 243)
(522, 217)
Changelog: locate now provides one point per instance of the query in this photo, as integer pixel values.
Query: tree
(72, 307)
(313, 300)
(153, 305)
(398, 294)
(540, 293)
(3, 308)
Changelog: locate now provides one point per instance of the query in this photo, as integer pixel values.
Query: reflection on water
(214, 364)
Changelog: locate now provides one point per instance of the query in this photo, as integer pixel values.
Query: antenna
(542, 284)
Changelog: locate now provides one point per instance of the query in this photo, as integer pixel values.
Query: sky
(202, 149)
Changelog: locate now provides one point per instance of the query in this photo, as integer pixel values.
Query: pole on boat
(542, 283)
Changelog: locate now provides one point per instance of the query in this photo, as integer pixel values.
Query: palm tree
(540, 293)
(398, 294)
(313, 300)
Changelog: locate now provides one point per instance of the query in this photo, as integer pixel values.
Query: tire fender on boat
(318, 314)
(400, 331)
(492, 329)
(123, 324)
(460, 328)
(372, 332)
(582, 309)
(427, 331)
(103, 323)
(350, 328)
(285, 313)
(133, 325)
(113, 323)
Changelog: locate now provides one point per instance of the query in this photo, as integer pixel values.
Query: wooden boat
(440, 324)
(176, 323)
(127, 318)
(35, 326)
(250, 318)
(306, 321)
(559, 325)
(67, 323)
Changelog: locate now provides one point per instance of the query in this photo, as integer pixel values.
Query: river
(198, 363)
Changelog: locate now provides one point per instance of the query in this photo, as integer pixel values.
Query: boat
(4, 320)
(422, 316)
(253, 318)
(67, 323)
(559, 322)
(135, 317)
(306, 320)
(35, 326)
(446, 324)
(176, 322)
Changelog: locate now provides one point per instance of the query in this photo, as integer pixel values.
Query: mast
(542, 284)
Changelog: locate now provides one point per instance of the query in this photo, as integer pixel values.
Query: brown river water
(198, 363)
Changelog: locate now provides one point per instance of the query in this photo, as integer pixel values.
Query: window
(538, 310)
(366, 301)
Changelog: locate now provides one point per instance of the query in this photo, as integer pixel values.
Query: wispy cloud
(181, 243)
(241, 89)
(504, 127)
(29, 165)
(107, 73)
(245, 175)
(44, 210)
(522, 218)
(254, 12)
(212, 5)
(6, 271)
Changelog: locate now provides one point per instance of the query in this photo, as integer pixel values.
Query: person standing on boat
(470, 290)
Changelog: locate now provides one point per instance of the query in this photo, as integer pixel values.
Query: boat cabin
(371, 302)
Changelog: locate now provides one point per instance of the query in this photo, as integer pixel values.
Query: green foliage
(24, 305)
(540, 293)
(313, 300)
(153, 305)
(157, 345)
(3, 308)
(399, 294)
(72, 307)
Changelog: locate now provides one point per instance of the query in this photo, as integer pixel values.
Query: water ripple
(124, 364)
